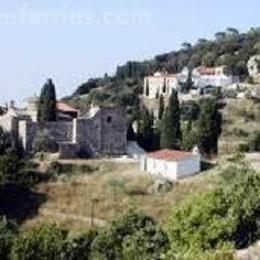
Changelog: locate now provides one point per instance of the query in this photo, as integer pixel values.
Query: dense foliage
(7, 235)
(47, 103)
(44, 242)
(171, 124)
(229, 48)
(11, 155)
(145, 135)
(209, 127)
(132, 234)
(223, 218)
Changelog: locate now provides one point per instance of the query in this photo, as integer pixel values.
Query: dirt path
(63, 216)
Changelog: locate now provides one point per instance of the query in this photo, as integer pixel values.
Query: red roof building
(171, 164)
(170, 155)
(66, 111)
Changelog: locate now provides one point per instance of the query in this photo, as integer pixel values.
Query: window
(109, 119)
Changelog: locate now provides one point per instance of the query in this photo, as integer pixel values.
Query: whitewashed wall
(156, 86)
(188, 167)
(171, 170)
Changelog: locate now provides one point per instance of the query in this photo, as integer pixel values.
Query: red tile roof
(62, 106)
(170, 155)
(207, 71)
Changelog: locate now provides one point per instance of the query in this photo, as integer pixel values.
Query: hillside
(112, 188)
(230, 48)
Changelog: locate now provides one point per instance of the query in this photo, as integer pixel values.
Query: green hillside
(230, 48)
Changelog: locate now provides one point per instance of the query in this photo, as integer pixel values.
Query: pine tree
(171, 126)
(161, 107)
(209, 127)
(47, 103)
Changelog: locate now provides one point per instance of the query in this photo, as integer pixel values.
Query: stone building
(160, 84)
(163, 84)
(101, 132)
(64, 111)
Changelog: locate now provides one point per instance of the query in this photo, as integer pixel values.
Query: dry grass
(113, 189)
(241, 117)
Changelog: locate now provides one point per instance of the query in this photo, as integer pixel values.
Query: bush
(7, 235)
(9, 163)
(222, 218)
(44, 242)
(132, 233)
(254, 142)
(44, 143)
(80, 248)
(243, 148)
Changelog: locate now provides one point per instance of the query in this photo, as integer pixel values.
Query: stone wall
(61, 131)
(113, 131)
(103, 133)
(68, 151)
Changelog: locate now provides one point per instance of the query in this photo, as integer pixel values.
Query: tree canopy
(47, 103)
(171, 126)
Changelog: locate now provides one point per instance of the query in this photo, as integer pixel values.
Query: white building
(160, 84)
(211, 76)
(253, 68)
(171, 164)
(252, 65)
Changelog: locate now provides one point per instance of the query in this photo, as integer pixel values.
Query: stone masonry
(101, 132)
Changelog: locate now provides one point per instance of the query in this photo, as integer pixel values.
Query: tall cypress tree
(145, 129)
(209, 127)
(161, 107)
(171, 126)
(47, 103)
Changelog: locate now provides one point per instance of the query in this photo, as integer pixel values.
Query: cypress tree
(171, 126)
(161, 107)
(47, 103)
(147, 90)
(145, 129)
(209, 127)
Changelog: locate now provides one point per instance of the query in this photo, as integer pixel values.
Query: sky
(73, 40)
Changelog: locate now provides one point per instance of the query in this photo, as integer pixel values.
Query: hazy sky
(72, 40)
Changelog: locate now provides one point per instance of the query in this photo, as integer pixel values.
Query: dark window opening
(109, 119)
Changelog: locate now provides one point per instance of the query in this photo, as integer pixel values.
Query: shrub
(243, 148)
(7, 234)
(9, 163)
(80, 248)
(43, 242)
(222, 218)
(254, 142)
(132, 233)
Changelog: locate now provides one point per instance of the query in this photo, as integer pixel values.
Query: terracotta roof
(203, 70)
(207, 71)
(62, 106)
(163, 76)
(170, 155)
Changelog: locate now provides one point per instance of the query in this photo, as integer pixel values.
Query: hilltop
(230, 48)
